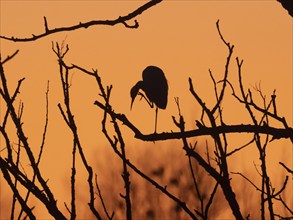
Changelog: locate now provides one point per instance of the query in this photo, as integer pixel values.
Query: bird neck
(139, 85)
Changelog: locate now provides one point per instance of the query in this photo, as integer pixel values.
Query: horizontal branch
(119, 20)
(276, 133)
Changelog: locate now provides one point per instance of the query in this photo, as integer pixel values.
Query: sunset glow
(181, 38)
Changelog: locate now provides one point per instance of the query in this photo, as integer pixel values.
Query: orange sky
(178, 36)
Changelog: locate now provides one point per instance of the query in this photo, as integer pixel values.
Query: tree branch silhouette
(102, 200)
(202, 131)
(18, 163)
(16, 193)
(257, 128)
(45, 194)
(117, 139)
(42, 143)
(261, 148)
(217, 167)
(120, 20)
(283, 165)
(221, 177)
(68, 116)
(190, 150)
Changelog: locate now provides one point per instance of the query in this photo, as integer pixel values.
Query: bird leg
(156, 120)
(151, 105)
(148, 101)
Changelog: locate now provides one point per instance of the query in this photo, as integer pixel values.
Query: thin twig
(8, 57)
(240, 148)
(102, 200)
(288, 170)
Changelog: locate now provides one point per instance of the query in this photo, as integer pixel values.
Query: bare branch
(49, 200)
(240, 148)
(282, 188)
(277, 132)
(18, 153)
(102, 200)
(230, 48)
(283, 165)
(23, 204)
(119, 20)
(9, 57)
(286, 206)
(46, 124)
(70, 121)
(248, 180)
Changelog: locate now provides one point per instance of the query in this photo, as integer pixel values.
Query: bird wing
(155, 86)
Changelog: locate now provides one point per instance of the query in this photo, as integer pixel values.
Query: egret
(155, 87)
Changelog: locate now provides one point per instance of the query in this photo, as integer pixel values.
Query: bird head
(134, 91)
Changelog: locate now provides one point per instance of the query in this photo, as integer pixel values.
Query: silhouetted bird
(155, 87)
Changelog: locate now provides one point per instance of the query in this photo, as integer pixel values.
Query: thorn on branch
(274, 102)
(46, 24)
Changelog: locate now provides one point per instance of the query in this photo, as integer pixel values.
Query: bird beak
(133, 93)
(132, 100)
